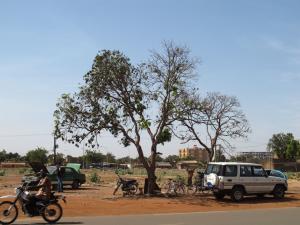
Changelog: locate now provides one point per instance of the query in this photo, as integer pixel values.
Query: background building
(256, 155)
(196, 153)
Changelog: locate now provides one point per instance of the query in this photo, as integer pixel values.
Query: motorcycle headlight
(17, 190)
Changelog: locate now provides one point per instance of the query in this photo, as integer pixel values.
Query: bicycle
(174, 187)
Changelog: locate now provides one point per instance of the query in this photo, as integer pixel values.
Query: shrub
(95, 178)
(180, 179)
(2, 173)
(22, 170)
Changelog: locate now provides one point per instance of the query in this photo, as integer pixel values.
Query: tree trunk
(151, 181)
(151, 172)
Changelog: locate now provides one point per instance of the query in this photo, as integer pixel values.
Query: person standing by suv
(60, 175)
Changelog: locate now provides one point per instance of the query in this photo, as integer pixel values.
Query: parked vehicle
(276, 173)
(128, 186)
(49, 209)
(72, 175)
(240, 179)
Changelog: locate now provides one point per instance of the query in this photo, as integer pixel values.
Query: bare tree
(127, 101)
(214, 119)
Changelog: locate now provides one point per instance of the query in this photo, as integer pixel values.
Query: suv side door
(68, 176)
(247, 179)
(262, 183)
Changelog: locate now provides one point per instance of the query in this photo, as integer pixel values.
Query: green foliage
(95, 178)
(180, 178)
(284, 146)
(93, 156)
(110, 158)
(123, 171)
(124, 160)
(9, 156)
(172, 159)
(144, 124)
(60, 158)
(164, 136)
(22, 170)
(2, 155)
(293, 150)
(293, 175)
(2, 173)
(37, 155)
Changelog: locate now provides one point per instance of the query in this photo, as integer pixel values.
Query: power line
(24, 135)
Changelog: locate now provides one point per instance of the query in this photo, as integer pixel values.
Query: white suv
(239, 179)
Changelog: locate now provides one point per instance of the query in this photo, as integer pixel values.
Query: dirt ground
(97, 200)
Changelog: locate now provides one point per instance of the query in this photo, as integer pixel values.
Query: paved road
(252, 217)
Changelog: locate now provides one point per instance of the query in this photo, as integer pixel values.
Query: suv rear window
(213, 168)
(230, 171)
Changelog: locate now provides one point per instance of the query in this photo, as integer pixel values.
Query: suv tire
(279, 192)
(219, 196)
(75, 184)
(237, 194)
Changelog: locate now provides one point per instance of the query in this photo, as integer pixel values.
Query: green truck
(72, 175)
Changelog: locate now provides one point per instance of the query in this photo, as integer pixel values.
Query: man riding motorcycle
(43, 193)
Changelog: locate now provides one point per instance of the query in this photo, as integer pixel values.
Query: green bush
(2, 173)
(293, 175)
(95, 178)
(180, 178)
(22, 170)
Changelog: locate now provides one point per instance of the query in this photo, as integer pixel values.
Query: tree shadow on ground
(209, 200)
(43, 223)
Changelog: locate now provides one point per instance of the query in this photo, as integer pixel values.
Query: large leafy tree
(94, 156)
(110, 158)
(37, 155)
(293, 150)
(2, 155)
(279, 144)
(127, 100)
(172, 159)
(212, 120)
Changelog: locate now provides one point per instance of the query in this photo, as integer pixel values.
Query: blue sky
(250, 49)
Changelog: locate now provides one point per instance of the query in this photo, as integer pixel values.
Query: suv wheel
(75, 184)
(279, 192)
(219, 196)
(237, 194)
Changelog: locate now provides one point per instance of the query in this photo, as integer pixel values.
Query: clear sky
(250, 49)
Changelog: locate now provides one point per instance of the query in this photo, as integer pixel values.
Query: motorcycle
(50, 209)
(129, 187)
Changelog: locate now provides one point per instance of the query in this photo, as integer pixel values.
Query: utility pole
(83, 153)
(54, 150)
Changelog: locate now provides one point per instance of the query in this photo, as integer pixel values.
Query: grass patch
(95, 178)
(2, 173)
(293, 175)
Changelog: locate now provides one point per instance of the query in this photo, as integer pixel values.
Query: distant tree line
(9, 156)
(41, 154)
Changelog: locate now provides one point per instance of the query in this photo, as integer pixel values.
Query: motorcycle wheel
(52, 213)
(180, 189)
(134, 189)
(8, 210)
(192, 189)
